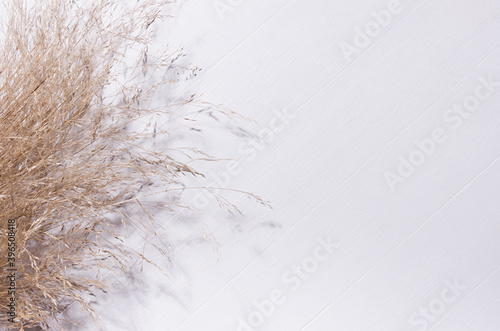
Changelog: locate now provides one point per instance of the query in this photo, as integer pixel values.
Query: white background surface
(351, 121)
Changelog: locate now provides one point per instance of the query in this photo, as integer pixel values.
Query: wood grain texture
(351, 120)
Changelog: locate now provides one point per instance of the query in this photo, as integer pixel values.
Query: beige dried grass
(69, 163)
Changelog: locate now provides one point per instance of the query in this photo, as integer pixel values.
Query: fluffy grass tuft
(70, 163)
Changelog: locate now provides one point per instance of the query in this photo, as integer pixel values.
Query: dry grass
(69, 162)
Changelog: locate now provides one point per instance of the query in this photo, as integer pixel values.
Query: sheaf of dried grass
(68, 161)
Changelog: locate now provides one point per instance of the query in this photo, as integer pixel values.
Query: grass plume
(69, 161)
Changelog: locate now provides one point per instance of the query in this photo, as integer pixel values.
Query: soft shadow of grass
(71, 167)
